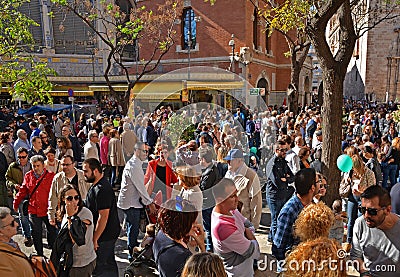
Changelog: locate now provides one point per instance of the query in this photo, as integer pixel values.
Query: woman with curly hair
(178, 229)
(316, 252)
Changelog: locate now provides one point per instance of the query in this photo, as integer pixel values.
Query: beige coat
(115, 154)
(14, 265)
(249, 193)
(128, 139)
(59, 181)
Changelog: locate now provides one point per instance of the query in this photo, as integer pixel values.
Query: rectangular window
(189, 29)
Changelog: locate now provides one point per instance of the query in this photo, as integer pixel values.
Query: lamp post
(232, 44)
(189, 48)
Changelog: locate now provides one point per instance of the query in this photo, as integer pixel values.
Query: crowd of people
(203, 190)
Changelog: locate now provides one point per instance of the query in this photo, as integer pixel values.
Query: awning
(158, 91)
(196, 85)
(76, 93)
(147, 91)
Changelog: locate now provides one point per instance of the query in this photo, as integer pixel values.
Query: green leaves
(290, 15)
(24, 76)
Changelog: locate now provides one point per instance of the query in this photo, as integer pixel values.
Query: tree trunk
(320, 94)
(332, 130)
(294, 93)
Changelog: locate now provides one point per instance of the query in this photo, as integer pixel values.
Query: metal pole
(190, 46)
(232, 44)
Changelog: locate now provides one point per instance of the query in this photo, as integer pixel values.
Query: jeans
(106, 265)
(275, 205)
(132, 228)
(389, 172)
(24, 222)
(352, 213)
(206, 213)
(37, 232)
(116, 180)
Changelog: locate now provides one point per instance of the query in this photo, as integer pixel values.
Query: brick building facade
(253, 57)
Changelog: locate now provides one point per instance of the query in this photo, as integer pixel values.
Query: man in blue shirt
(35, 130)
(21, 141)
(307, 186)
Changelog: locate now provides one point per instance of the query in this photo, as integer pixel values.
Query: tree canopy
(24, 76)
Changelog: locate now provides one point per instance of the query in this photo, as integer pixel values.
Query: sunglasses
(371, 211)
(22, 157)
(283, 149)
(12, 224)
(70, 198)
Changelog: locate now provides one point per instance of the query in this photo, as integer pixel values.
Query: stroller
(143, 254)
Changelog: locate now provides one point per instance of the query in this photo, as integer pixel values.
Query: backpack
(42, 266)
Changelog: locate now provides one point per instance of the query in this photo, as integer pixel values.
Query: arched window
(189, 29)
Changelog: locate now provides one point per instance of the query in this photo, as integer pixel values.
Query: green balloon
(344, 163)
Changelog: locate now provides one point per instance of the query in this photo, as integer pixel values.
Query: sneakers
(28, 242)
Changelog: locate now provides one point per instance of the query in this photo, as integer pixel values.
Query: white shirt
(132, 186)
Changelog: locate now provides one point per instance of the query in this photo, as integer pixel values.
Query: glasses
(66, 164)
(371, 211)
(70, 198)
(283, 149)
(22, 157)
(12, 224)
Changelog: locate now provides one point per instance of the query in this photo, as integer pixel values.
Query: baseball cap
(234, 154)
(318, 133)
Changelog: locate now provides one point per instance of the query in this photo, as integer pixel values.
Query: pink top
(104, 150)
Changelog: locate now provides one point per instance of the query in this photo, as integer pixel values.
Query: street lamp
(189, 48)
(232, 44)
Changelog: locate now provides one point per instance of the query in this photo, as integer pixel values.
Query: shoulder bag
(25, 202)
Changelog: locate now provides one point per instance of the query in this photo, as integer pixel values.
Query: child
(337, 229)
(147, 240)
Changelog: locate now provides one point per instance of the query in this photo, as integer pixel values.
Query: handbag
(25, 202)
(344, 188)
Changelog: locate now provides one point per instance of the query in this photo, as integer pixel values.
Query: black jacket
(278, 168)
(209, 178)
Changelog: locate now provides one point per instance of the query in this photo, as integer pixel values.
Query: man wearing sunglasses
(279, 177)
(133, 195)
(13, 262)
(14, 176)
(69, 175)
(376, 244)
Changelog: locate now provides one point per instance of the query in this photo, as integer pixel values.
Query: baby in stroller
(145, 248)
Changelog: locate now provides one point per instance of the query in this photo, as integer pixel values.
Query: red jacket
(170, 176)
(39, 201)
